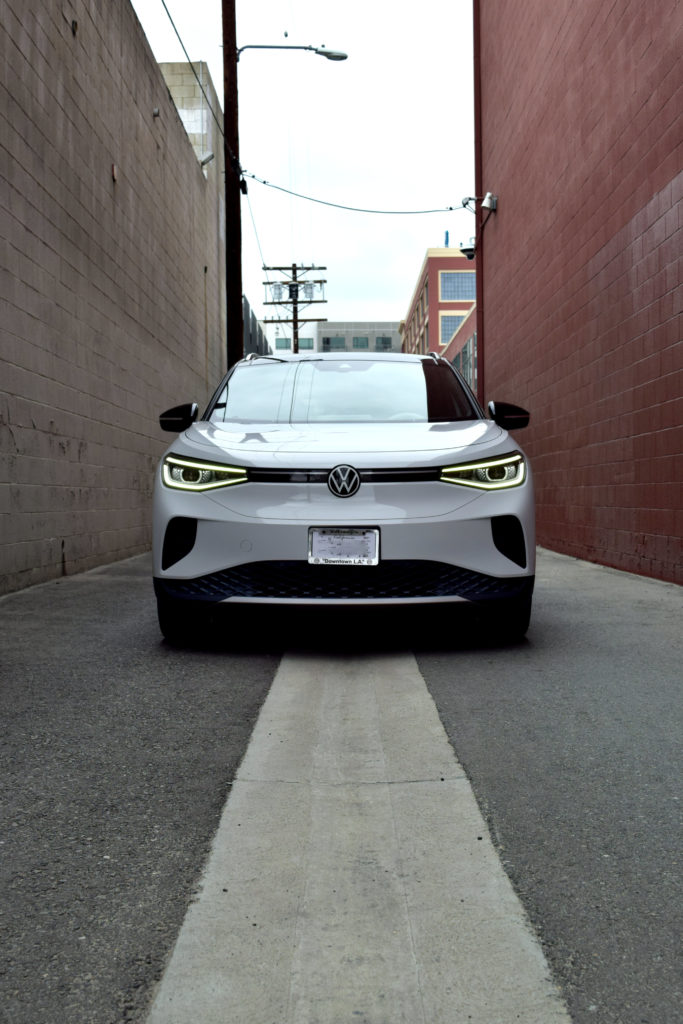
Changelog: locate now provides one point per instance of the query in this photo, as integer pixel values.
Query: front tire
(180, 622)
(511, 619)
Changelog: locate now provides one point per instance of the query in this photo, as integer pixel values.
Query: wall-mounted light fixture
(488, 202)
(206, 160)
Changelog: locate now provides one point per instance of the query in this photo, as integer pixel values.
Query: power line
(298, 195)
(208, 102)
(354, 209)
(256, 235)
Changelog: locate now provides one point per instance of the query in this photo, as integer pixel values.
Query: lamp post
(320, 50)
(234, 184)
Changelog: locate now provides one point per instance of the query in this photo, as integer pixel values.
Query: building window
(283, 343)
(383, 344)
(466, 361)
(458, 286)
(448, 326)
(334, 344)
(305, 343)
(361, 343)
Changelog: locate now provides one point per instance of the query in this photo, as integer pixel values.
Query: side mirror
(509, 417)
(180, 417)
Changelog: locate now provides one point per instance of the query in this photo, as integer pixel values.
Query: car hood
(319, 444)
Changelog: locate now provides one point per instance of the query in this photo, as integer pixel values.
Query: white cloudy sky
(391, 128)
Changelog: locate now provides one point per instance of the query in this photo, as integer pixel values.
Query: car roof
(302, 357)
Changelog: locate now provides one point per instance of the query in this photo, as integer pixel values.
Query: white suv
(343, 479)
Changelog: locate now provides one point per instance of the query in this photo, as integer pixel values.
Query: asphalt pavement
(123, 759)
(116, 757)
(572, 742)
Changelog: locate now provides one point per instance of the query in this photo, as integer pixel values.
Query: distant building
(343, 336)
(462, 349)
(255, 339)
(197, 104)
(443, 298)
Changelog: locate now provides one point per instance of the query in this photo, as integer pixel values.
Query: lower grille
(390, 580)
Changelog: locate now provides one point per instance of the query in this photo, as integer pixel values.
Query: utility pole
(235, 185)
(294, 284)
(233, 190)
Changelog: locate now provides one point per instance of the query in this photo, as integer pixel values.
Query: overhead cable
(246, 174)
(194, 72)
(341, 206)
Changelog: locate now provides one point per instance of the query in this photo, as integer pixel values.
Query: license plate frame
(342, 545)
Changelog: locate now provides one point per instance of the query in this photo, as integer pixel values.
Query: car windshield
(339, 391)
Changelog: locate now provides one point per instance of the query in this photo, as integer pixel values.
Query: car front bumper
(436, 543)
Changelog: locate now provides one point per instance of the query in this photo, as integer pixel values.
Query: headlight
(489, 474)
(190, 475)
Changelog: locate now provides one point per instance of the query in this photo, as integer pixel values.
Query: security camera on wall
(467, 249)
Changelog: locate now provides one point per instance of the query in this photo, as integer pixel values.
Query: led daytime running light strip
(470, 467)
(235, 475)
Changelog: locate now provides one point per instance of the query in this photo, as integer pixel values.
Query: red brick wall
(582, 141)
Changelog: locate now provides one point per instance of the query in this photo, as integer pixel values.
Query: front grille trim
(391, 580)
(367, 476)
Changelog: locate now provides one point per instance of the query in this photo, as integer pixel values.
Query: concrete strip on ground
(352, 877)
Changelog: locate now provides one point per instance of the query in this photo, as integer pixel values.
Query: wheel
(511, 619)
(181, 622)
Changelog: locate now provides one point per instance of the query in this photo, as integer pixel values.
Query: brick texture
(582, 141)
(112, 292)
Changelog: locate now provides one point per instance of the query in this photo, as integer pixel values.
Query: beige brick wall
(112, 294)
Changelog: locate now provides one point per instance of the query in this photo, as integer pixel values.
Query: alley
(118, 754)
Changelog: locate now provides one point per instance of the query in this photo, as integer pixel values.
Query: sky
(389, 129)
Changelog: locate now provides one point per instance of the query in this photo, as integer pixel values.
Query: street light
(234, 185)
(330, 54)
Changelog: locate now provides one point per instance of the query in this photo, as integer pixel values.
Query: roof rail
(251, 356)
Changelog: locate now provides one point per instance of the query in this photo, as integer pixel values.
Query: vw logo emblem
(343, 481)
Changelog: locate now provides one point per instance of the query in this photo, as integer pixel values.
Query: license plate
(343, 547)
